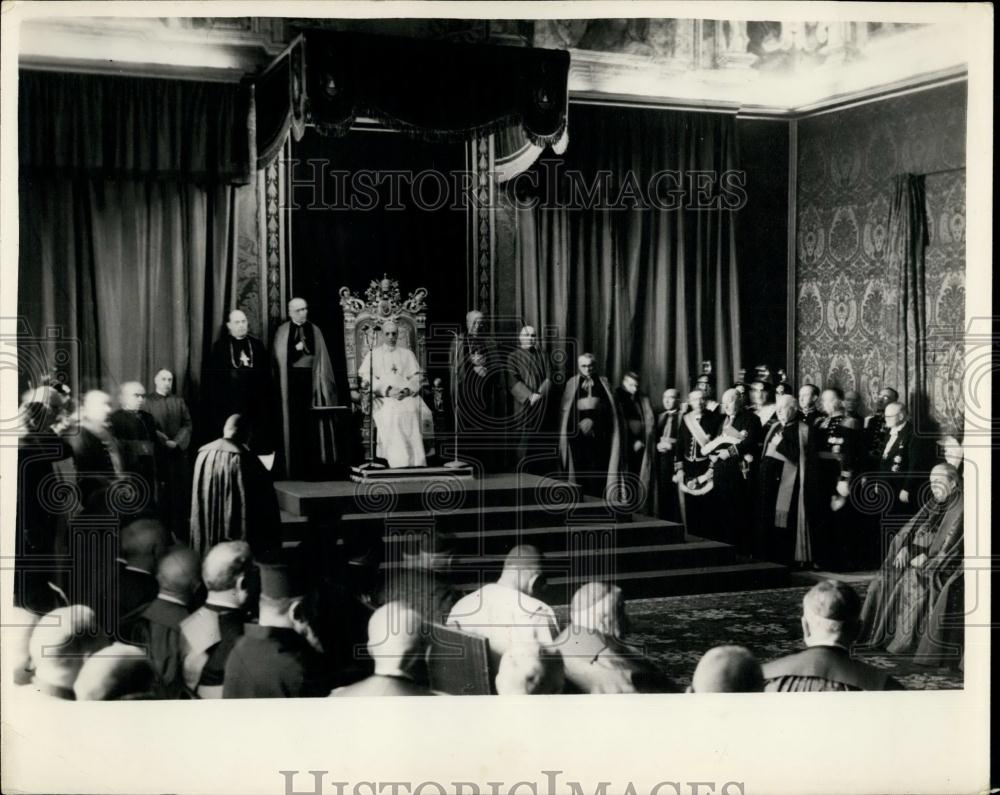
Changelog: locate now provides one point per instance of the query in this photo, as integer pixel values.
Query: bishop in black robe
(173, 430)
(638, 431)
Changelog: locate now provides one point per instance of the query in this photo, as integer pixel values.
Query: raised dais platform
(582, 538)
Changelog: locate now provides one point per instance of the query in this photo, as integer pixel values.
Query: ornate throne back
(382, 302)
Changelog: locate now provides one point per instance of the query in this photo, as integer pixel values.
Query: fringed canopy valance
(428, 89)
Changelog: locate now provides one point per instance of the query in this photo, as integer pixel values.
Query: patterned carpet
(677, 630)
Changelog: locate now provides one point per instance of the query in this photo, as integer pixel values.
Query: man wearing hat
(280, 656)
(831, 612)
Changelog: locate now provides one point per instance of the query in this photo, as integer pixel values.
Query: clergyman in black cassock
(173, 429)
(638, 431)
(668, 426)
(529, 381)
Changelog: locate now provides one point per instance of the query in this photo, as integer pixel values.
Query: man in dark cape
(529, 381)
(238, 382)
(477, 386)
(915, 604)
(233, 496)
(668, 426)
(173, 429)
(787, 488)
(590, 433)
(135, 431)
(734, 463)
(639, 429)
(692, 468)
(304, 377)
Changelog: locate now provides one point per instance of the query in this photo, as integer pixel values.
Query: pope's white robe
(399, 439)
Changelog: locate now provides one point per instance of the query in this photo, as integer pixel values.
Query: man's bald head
(179, 574)
(599, 606)
(225, 564)
(236, 429)
(61, 641)
(522, 569)
(397, 640)
(298, 310)
(727, 669)
(473, 321)
(831, 612)
(945, 480)
(142, 542)
(131, 396)
(113, 673)
(786, 408)
(95, 408)
(530, 669)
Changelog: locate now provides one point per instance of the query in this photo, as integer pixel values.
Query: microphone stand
(455, 463)
(370, 462)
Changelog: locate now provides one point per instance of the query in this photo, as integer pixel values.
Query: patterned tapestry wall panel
(846, 294)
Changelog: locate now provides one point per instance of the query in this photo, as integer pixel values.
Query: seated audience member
(210, 632)
(60, 643)
(530, 669)
(159, 627)
(280, 656)
(418, 581)
(594, 654)
(15, 637)
(830, 622)
(142, 544)
(233, 495)
(115, 673)
(397, 642)
(915, 604)
(727, 669)
(507, 611)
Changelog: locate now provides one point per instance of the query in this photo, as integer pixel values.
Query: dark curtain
(126, 227)
(641, 287)
(908, 236)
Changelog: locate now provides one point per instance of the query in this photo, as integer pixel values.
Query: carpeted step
(558, 537)
(493, 517)
(596, 563)
(332, 498)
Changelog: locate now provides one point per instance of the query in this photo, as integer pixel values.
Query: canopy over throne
(363, 322)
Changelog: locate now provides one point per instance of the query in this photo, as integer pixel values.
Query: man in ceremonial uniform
(173, 430)
(903, 465)
(875, 432)
(280, 656)
(787, 488)
(704, 385)
(853, 409)
(838, 444)
(809, 404)
(233, 495)
(135, 431)
(209, 634)
(762, 403)
(239, 383)
(692, 469)
(529, 381)
(734, 453)
(304, 376)
(590, 434)
(639, 431)
(477, 385)
(668, 426)
(393, 375)
(830, 622)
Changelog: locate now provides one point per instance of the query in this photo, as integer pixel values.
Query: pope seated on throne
(393, 376)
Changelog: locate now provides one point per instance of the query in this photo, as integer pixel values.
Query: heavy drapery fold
(620, 273)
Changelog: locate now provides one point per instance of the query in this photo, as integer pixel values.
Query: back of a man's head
(236, 429)
(522, 569)
(142, 542)
(61, 641)
(397, 639)
(727, 669)
(530, 669)
(831, 612)
(599, 606)
(224, 564)
(179, 573)
(113, 673)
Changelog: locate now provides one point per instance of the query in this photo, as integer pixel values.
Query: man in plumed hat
(281, 656)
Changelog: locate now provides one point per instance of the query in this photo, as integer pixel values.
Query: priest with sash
(304, 377)
(692, 469)
(392, 374)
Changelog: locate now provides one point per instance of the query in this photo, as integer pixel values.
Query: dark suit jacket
(527, 374)
(377, 685)
(94, 468)
(824, 668)
(275, 662)
(136, 589)
(158, 629)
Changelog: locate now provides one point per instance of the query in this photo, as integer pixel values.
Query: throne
(363, 319)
